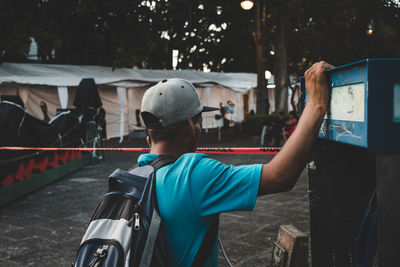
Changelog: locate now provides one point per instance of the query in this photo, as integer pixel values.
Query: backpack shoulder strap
(146, 259)
(157, 163)
(162, 161)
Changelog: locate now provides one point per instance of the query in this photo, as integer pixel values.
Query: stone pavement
(45, 228)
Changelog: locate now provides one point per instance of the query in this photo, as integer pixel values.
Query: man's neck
(168, 149)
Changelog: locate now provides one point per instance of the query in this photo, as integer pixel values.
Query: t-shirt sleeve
(218, 187)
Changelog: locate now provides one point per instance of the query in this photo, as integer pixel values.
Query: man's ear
(148, 140)
(191, 127)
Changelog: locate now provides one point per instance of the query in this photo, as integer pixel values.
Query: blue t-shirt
(191, 192)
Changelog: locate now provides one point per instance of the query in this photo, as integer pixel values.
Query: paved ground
(45, 228)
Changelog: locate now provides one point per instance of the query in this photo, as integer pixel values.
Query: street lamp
(268, 75)
(370, 29)
(247, 4)
(258, 35)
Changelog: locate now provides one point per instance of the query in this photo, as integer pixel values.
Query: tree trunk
(258, 36)
(281, 63)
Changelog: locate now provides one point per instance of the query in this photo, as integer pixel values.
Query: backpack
(123, 230)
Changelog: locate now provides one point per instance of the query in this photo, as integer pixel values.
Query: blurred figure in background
(276, 129)
(138, 123)
(223, 111)
(290, 125)
(229, 114)
(101, 120)
(43, 107)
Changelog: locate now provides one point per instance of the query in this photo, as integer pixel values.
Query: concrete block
(295, 243)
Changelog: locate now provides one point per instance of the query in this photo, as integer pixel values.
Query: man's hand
(317, 85)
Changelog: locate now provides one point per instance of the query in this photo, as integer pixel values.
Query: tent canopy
(71, 75)
(120, 90)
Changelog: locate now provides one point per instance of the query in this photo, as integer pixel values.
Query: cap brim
(206, 109)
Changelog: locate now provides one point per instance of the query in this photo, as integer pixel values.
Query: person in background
(138, 123)
(224, 112)
(275, 131)
(101, 120)
(230, 109)
(43, 107)
(290, 126)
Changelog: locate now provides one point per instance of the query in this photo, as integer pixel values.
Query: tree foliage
(17, 20)
(215, 34)
(336, 31)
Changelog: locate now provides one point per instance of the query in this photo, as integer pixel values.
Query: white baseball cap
(170, 102)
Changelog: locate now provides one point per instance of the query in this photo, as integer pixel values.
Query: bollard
(356, 158)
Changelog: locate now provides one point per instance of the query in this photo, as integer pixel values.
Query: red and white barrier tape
(212, 150)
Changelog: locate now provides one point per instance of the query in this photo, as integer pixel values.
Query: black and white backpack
(123, 230)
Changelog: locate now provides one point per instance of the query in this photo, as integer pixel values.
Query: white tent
(121, 90)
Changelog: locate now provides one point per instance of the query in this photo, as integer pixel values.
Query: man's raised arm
(282, 172)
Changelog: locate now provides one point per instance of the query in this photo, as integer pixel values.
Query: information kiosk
(354, 175)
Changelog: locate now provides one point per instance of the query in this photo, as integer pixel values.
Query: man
(194, 190)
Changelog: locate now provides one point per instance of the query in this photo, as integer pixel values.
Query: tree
(281, 58)
(93, 32)
(17, 20)
(206, 33)
(212, 34)
(334, 31)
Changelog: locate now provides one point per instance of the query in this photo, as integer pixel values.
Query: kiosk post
(354, 175)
